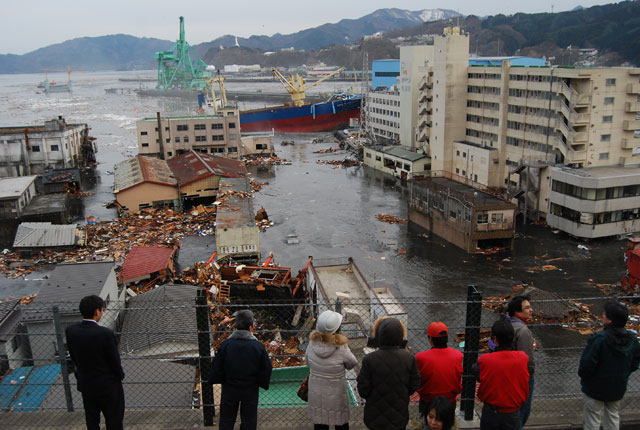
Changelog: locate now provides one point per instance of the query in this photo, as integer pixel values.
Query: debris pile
(257, 186)
(391, 219)
(266, 161)
(287, 142)
(340, 163)
(326, 151)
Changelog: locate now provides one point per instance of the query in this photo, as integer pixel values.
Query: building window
(610, 81)
(464, 173)
(185, 139)
(143, 133)
(464, 155)
(232, 136)
(604, 156)
(368, 155)
(145, 145)
(232, 149)
(636, 134)
(457, 171)
(55, 148)
(378, 158)
(457, 153)
(181, 127)
(608, 100)
(35, 148)
(169, 153)
(201, 138)
(407, 167)
(607, 118)
(605, 138)
(261, 146)
(216, 126)
(168, 140)
(232, 125)
(498, 217)
(177, 139)
(199, 126)
(483, 218)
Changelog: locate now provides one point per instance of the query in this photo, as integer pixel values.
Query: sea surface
(330, 211)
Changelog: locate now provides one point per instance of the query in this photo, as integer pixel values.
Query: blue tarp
(11, 384)
(36, 388)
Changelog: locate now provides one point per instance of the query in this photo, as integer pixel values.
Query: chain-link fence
(166, 348)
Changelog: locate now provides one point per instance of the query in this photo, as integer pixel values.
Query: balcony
(583, 99)
(632, 106)
(633, 89)
(631, 125)
(577, 156)
(580, 118)
(630, 143)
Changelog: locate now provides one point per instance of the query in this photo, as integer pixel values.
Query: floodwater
(330, 211)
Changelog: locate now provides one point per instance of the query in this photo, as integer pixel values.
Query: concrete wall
(413, 63)
(145, 194)
(375, 159)
(237, 240)
(480, 165)
(207, 187)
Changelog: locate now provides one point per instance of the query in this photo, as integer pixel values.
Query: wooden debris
(391, 219)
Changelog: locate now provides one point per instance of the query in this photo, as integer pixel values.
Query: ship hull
(327, 116)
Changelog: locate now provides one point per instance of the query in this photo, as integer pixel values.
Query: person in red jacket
(504, 380)
(440, 368)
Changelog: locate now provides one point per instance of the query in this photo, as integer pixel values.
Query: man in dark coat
(606, 363)
(388, 377)
(241, 365)
(99, 373)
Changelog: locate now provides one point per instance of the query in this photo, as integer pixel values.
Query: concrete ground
(294, 418)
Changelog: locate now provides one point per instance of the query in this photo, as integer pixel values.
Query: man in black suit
(94, 352)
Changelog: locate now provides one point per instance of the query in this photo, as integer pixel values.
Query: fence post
(471, 346)
(204, 349)
(62, 357)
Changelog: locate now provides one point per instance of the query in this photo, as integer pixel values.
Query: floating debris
(391, 219)
(340, 163)
(326, 151)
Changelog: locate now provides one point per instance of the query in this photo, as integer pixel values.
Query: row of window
(484, 76)
(239, 248)
(534, 78)
(531, 128)
(595, 193)
(386, 122)
(594, 218)
(185, 127)
(381, 101)
(483, 120)
(36, 148)
(385, 112)
(534, 146)
(484, 135)
(464, 174)
(474, 89)
(483, 105)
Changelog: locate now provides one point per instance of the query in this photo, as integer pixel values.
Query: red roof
(193, 166)
(145, 260)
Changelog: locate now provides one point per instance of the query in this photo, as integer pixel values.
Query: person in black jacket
(606, 363)
(389, 376)
(241, 365)
(99, 373)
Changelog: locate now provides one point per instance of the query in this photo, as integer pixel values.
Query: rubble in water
(391, 219)
(326, 151)
(265, 161)
(340, 163)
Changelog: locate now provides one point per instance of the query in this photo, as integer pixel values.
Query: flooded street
(331, 212)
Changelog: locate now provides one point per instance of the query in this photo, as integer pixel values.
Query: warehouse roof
(145, 260)
(193, 166)
(12, 188)
(45, 235)
(141, 169)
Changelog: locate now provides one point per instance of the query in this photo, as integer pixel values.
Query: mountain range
(612, 29)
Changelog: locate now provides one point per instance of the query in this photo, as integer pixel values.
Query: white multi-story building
(504, 126)
(383, 115)
(31, 150)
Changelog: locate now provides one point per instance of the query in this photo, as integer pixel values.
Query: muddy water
(332, 213)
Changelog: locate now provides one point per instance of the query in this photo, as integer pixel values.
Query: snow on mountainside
(436, 14)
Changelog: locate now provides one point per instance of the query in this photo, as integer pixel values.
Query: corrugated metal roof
(144, 260)
(403, 153)
(12, 188)
(164, 314)
(192, 166)
(67, 284)
(45, 234)
(141, 169)
(9, 318)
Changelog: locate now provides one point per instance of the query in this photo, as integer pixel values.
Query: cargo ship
(295, 116)
(333, 114)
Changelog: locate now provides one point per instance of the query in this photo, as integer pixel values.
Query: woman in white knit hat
(328, 355)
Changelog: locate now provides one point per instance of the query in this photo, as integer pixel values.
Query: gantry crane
(295, 84)
(212, 92)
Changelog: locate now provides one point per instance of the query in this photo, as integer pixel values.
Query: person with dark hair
(610, 356)
(328, 355)
(504, 380)
(441, 414)
(241, 365)
(440, 368)
(520, 313)
(94, 352)
(388, 377)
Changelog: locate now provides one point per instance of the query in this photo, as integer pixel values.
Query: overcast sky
(27, 25)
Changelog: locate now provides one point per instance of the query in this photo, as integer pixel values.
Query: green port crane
(181, 68)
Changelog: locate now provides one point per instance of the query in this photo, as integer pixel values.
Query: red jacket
(440, 372)
(504, 379)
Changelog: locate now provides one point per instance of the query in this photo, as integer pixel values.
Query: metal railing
(166, 357)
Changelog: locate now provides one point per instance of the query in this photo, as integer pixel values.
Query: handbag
(303, 389)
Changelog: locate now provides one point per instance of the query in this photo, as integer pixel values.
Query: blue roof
(30, 385)
(514, 60)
